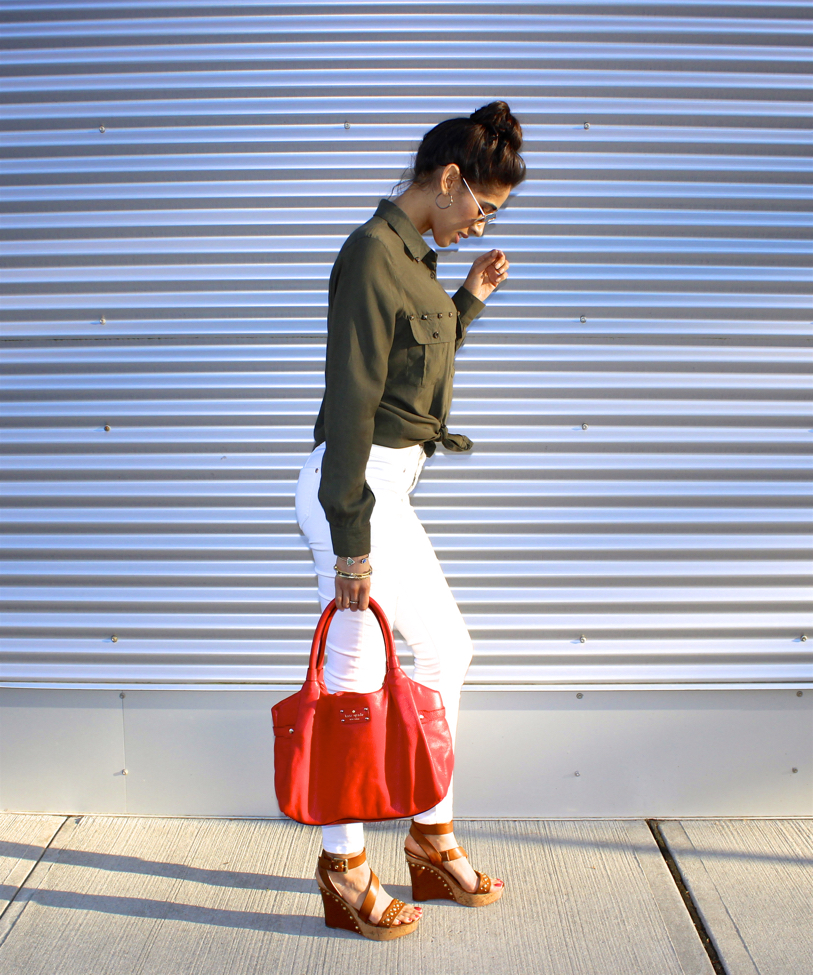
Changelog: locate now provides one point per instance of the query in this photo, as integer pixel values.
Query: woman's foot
(353, 885)
(460, 869)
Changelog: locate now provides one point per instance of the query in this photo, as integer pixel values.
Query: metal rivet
(347, 125)
(804, 638)
(122, 694)
(794, 770)
(103, 320)
(577, 774)
(101, 128)
(580, 695)
(424, 317)
(124, 771)
(107, 428)
(342, 720)
(435, 335)
(582, 638)
(799, 693)
(290, 731)
(583, 319)
(587, 125)
(366, 709)
(114, 638)
(584, 426)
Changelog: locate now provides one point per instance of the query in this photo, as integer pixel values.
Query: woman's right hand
(353, 594)
(487, 271)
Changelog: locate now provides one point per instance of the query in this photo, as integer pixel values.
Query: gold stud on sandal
(431, 880)
(340, 914)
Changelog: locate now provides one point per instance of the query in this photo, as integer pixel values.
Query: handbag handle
(317, 659)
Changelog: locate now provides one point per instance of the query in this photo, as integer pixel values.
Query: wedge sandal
(340, 914)
(431, 880)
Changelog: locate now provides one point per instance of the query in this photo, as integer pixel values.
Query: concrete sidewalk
(115, 895)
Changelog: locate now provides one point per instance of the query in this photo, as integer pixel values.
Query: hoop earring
(451, 201)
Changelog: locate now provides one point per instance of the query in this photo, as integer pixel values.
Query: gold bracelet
(352, 575)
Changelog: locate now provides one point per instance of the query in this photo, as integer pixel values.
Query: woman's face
(462, 217)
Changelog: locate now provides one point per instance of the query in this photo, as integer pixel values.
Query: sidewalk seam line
(34, 866)
(22, 888)
(686, 897)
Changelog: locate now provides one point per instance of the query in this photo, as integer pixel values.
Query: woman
(392, 335)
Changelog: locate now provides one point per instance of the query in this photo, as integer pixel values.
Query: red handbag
(350, 757)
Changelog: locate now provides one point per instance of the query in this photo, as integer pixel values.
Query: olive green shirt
(392, 334)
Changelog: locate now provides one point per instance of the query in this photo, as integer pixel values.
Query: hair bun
(497, 118)
(484, 146)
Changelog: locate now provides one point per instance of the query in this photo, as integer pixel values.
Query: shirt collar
(407, 231)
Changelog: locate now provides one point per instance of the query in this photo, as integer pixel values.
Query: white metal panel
(634, 752)
(177, 180)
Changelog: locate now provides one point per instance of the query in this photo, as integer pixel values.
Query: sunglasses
(486, 219)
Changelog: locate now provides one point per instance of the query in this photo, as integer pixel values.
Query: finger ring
(351, 601)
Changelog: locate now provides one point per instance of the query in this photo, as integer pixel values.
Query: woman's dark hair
(485, 147)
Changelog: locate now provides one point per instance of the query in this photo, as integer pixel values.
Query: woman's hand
(353, 594)
(486, 273)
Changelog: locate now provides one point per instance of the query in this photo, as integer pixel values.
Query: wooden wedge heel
(431, 880)
(340, 914)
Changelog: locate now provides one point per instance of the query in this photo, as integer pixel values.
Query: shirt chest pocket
(431, 357)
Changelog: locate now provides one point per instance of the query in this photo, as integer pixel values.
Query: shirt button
(435, 335)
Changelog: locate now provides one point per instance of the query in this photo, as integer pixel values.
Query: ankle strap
(434, 829)
(341, 864)
(437, 857)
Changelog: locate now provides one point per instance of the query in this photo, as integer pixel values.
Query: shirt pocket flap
(433, 327)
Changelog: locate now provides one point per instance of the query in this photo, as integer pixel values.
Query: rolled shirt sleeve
(363, 309)
(468, 308)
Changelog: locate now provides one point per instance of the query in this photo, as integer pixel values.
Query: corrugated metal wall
(177, 180)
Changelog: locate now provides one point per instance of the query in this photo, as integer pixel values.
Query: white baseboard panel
(614, 753)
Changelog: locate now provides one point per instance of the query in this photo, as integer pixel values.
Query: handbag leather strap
(316, 664)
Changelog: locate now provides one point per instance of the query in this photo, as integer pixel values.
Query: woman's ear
(449, 179)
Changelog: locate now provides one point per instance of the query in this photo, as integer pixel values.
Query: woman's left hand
(486, 273)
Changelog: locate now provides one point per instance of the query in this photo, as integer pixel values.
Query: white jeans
(410, 587)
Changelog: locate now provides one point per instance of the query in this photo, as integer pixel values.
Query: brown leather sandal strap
(341, 864)
(485, 883)
(338, 864)
(391, 913)
(432, 854)
(368, 904)
(436, 857)
(433, 829)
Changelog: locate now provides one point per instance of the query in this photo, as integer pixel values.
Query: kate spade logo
(354, 716)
